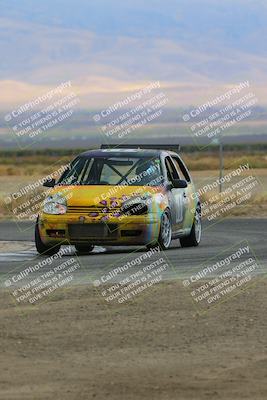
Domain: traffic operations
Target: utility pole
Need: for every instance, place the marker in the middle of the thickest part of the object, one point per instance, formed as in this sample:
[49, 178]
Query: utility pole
[221, 165]
[218, 141]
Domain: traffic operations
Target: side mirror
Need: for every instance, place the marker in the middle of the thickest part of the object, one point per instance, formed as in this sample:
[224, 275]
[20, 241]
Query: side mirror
[179, 184]
[50, 183]
[169, 186]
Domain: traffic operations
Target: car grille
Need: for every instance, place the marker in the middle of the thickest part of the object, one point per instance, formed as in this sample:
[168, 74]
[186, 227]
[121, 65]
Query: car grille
[91, 209]
[93, 231]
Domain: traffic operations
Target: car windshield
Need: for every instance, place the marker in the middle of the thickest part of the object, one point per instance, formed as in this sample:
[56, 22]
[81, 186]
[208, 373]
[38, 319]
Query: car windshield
[124, 170]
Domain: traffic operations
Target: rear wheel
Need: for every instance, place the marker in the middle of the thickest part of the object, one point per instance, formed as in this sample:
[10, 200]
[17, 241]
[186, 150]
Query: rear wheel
[195, 235]
[42, 248]
[84, 248]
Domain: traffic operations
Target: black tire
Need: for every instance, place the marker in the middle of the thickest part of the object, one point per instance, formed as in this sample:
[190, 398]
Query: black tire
[152, 245]
[165, 234]
[194, 238]
[84, 248]
[42, 248]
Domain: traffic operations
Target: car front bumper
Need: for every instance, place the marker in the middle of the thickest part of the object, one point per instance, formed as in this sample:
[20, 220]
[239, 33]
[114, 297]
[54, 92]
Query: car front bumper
[73, 229]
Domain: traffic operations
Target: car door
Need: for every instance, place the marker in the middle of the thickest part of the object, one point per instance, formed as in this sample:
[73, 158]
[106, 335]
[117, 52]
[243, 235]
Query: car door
[176, 196]
[189, 195]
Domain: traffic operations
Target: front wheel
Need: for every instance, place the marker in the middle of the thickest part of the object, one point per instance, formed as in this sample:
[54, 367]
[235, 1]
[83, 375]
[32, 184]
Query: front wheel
[165, 234]
[195, 235]
[42, 248]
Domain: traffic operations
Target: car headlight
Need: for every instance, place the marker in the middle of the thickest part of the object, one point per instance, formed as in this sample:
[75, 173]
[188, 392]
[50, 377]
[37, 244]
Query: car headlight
[55, 204]
[134, 209]
[136, 205]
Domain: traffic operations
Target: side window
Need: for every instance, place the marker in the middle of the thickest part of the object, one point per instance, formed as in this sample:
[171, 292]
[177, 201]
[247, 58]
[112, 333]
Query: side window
[179, 165]
[171, 170]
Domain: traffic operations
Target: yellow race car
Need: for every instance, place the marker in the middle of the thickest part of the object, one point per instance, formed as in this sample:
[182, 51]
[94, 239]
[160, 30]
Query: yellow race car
[120, 196]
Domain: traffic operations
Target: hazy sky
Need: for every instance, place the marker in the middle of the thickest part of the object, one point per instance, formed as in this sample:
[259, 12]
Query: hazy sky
[106, 47]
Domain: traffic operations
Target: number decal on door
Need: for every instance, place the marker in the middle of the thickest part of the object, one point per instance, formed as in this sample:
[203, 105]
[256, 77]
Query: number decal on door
[179, 206]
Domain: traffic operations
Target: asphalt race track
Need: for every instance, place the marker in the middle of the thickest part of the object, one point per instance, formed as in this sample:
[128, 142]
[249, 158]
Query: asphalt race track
[219, 239]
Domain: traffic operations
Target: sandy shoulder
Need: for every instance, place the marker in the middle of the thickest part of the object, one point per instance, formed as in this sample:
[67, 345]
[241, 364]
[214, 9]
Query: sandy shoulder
[158, 347]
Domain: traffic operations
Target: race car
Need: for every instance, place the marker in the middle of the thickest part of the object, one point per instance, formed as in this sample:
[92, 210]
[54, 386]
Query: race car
[141, 195]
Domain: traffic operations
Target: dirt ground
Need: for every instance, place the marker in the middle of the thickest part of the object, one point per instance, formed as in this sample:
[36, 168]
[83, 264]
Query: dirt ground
[159, 347]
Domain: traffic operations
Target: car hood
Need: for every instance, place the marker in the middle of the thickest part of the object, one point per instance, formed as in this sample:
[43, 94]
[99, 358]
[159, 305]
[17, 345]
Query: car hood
[105, 196]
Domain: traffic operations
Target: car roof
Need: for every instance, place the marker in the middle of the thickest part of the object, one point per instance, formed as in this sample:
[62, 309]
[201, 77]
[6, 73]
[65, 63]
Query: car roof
[138, 153]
